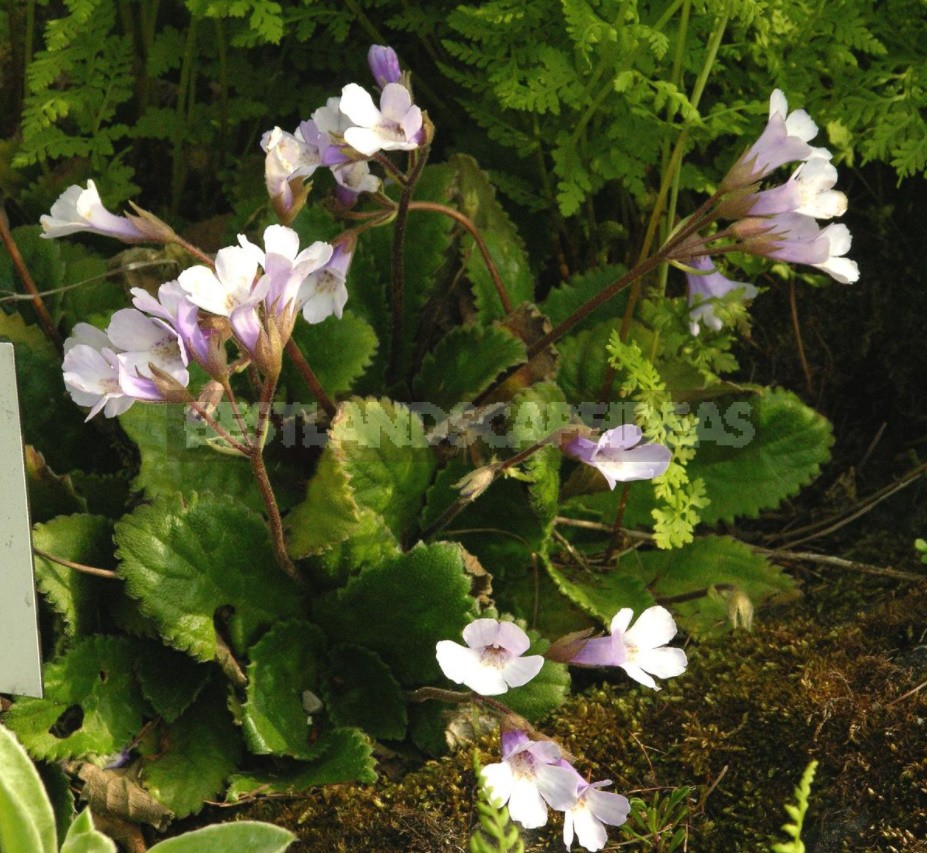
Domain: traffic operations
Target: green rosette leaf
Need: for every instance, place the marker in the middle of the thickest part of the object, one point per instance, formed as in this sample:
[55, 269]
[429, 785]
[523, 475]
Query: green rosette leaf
[202, 750]
[76, 596]
[185, 558]
[770, 447]
[284, 663]
[92, 706]
[401, 609]
[361, 691]
[347, 757]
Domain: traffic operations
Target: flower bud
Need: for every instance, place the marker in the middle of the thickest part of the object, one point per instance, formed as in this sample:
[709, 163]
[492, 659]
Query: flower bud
[384, 65]
[476, 482]
[740, 610]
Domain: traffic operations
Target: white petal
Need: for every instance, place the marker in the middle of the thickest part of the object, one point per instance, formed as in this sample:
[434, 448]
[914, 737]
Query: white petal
[358, 106]
[204, 289]
[498, 779]
[557, 785]
[639, 675]
[512, 638]
[778, 104]
[621, 620]
[839, 239]
[609, 808]
[463, 666]
[395, 102]
[525, 803]
[481, 632]
[800, 124]
[654, 627]
[281, 240]
[568, 828]
[841, 269]
[620, 438]
[521, 670]
[129, 329]
[589, 831]
[364, 140]
[663, 663]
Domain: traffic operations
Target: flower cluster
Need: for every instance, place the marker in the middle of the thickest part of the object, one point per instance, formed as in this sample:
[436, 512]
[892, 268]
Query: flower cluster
[779, 222]
[534, 774]
[251, 296]
[342, 136]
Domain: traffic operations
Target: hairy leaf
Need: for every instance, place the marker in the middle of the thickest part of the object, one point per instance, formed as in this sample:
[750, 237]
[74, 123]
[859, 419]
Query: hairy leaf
[184, 559]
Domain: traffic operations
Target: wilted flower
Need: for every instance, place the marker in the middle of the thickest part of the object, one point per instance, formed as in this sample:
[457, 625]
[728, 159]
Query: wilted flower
[593, 808]
[638, 650]
[616, 456]
[79, 209]
[704, 289]
[396, 126]
[529, 778]
[289, 157]
[492, 661]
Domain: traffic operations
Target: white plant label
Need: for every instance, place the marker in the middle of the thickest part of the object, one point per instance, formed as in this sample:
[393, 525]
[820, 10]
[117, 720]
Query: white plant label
[20, 650]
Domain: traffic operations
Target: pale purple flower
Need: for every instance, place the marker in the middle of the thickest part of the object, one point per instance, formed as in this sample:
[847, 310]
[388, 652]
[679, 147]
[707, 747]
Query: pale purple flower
[352, 179]
[619, 456]
[324, 132]
[324, 291]
[797, 238]
[704, 289]
[174, 308]
[492, 661]
[285, 266]
[91, 372]
[784, 140]
[809, 191]
[79, 209]
[384, 65]
[288, 156]
[529, 779]
[145, 341]
[396, 126]
[586, 818]
[638, 650]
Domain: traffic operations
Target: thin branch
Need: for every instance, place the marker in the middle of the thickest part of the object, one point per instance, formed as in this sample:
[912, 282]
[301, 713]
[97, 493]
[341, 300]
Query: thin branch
[48, 325]
[480, 243]
[799, 344]
[308, 374]
[78, 567]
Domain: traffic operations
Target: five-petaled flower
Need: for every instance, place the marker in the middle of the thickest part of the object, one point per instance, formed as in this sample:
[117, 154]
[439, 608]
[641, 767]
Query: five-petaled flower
[593, 808]
[529, 779]
[396, 126]
[492, 661]
[619, 456]
[640, 650]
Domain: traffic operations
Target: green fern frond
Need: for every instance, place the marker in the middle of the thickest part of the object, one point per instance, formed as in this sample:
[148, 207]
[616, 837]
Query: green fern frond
[797, 813]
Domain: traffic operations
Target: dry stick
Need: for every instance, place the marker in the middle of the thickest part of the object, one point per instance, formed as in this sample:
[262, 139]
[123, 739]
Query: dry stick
[299, 360]
[419, 158]
[480, 243]
[776, 553]
[48, 325]
[864, 506]
[796, 326]
[911, 692]
[78, 567]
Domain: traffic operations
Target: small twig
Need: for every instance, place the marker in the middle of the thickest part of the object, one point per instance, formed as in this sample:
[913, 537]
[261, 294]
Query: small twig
[568, 547]
[700, 808]
[78, 567]
[48, 325]
[308, 374]
[419, 157]
[911, 692]
[864, 506]
[228, 663]
[796, 327]
[480, 243]
[838, 563]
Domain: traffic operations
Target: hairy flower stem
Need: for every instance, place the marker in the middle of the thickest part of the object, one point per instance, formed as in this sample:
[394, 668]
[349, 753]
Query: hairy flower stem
[256, 455]
[234, 443]
[308, 374]
[419, 157]
[468, 223]
[48, 325]
[199, 254]
[458, 697]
